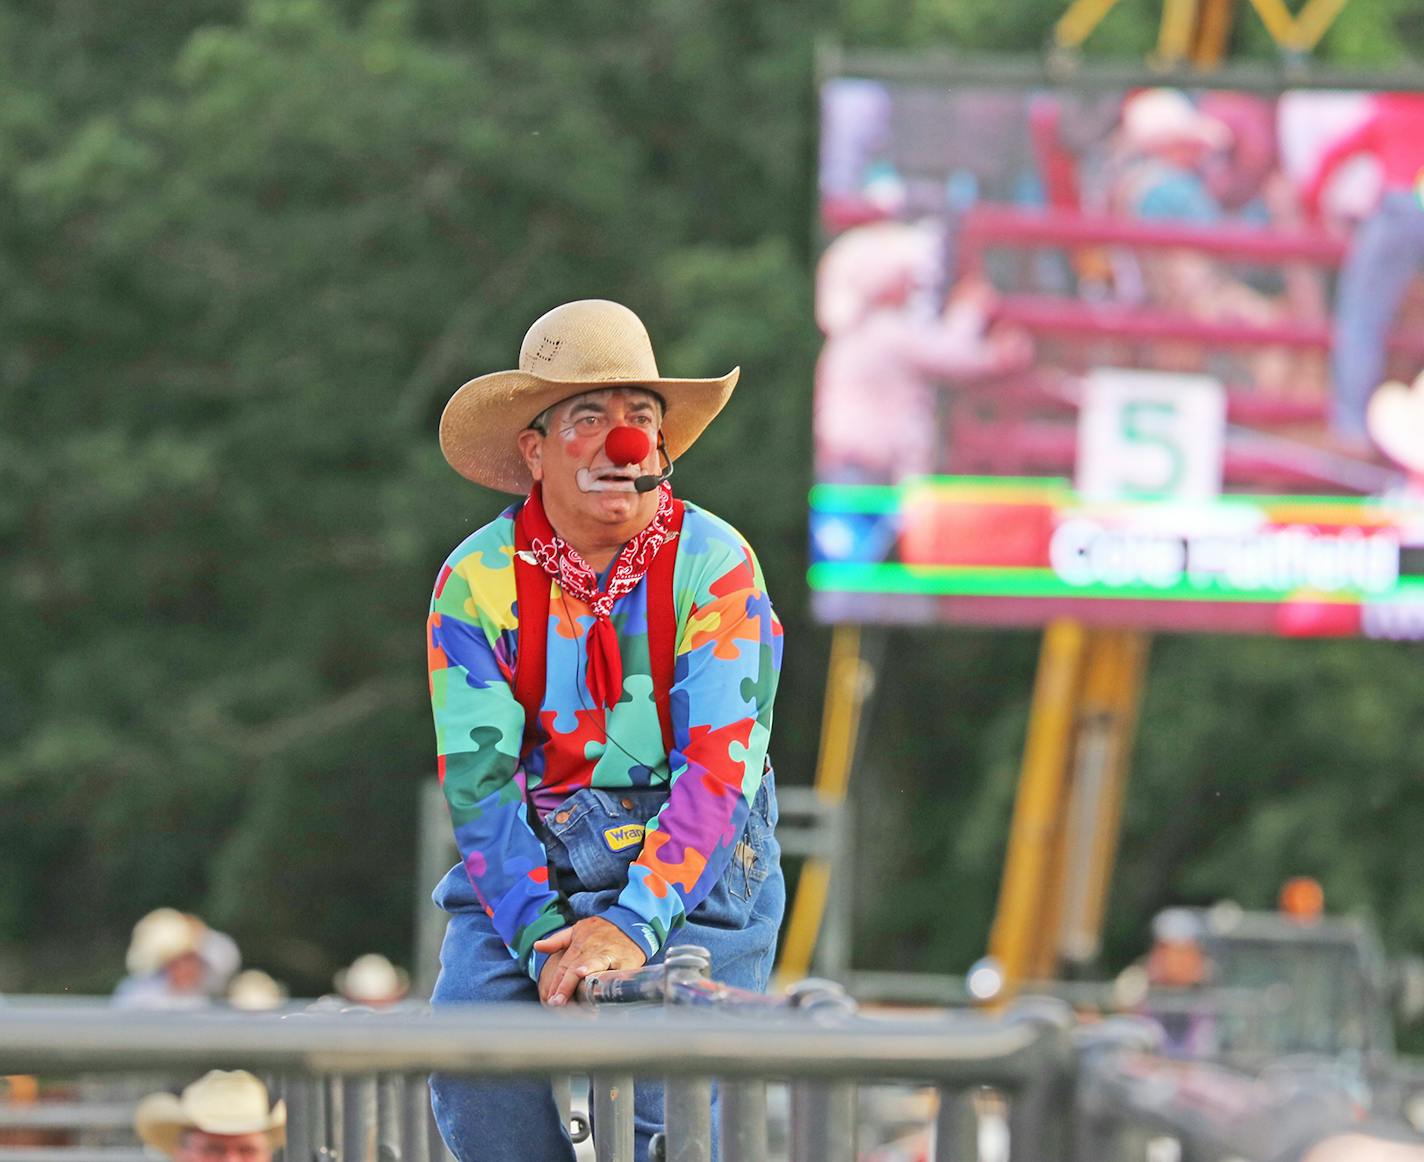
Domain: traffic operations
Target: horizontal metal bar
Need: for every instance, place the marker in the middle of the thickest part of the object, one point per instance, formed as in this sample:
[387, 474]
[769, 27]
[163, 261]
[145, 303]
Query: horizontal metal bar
[990, 225]
[54, 1115]
[1051, 315]
[72, 1154]
[809, 844]
[808, 801]
[504, 1040]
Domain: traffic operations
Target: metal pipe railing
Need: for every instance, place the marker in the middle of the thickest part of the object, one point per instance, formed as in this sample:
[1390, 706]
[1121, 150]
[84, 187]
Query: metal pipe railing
[494, 1041]
[355, 1081]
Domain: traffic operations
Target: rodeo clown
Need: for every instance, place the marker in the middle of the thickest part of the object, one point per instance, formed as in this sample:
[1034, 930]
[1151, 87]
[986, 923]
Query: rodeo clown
[603, 659]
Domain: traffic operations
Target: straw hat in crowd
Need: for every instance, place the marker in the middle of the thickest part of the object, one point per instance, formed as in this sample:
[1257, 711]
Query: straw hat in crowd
[578, 347]
[161, 937]
[372, 980]
[255, 991]
[219, 1102]
[1157, 118]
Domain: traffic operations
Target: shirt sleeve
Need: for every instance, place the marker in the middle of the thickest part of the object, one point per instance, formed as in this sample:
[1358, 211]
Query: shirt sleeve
[479, 727]
[728, 660]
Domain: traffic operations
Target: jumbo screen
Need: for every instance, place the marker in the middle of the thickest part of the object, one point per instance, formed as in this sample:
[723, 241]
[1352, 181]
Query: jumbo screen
[1143, 358]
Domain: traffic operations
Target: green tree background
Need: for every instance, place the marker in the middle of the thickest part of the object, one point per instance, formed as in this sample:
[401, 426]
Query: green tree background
[247, 251]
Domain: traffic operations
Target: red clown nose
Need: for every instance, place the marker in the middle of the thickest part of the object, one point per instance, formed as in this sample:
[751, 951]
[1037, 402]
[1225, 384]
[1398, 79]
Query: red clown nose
[627, 446]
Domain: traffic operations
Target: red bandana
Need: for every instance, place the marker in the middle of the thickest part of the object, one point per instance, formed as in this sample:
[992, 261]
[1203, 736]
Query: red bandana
[576, 577]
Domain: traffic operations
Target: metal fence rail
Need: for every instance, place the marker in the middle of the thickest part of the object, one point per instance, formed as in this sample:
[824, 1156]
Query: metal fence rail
[355, 1083]
[969, 1049]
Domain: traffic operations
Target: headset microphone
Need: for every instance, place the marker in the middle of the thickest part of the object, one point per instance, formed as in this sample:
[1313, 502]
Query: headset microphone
[648, 483]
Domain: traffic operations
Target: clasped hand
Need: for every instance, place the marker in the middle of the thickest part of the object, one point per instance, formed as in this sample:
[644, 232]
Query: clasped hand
[591, 945]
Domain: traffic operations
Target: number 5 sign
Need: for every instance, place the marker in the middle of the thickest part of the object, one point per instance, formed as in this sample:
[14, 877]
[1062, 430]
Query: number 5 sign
[1150, 435]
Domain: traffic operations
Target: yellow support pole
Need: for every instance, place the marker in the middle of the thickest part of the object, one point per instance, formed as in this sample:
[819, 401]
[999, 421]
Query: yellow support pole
[1077, 24]
[1121, 700]
[1212, 32]
[840, 722]
[846, 686]
[1042, 963]
[1277, 19]
[1174, 35]
[1298, 33]
[1038, 807]
[1112, 687]
[1315, 20]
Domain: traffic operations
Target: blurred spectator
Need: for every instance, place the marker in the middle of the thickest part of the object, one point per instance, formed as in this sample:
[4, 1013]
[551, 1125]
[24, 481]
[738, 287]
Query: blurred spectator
[372, 980]
[176, 961]
[1176, 959]
[221, 1117]
[1168, 985]
[1164, 145]
[1385, 255]
[24, 1090]
[1176, 163]
[888, 348]
[255, 991]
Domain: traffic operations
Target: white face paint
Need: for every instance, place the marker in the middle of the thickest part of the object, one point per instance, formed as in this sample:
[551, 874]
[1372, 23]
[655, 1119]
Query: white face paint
[607, 479]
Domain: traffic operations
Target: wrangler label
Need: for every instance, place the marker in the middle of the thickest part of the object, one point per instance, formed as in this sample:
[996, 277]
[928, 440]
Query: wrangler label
[627, 835]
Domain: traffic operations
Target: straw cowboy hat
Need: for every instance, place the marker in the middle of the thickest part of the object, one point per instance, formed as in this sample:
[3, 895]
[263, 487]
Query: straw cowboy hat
[578, 347]
[1159, 117]
[372, 979]
[1396, 422]
[160, 937]
[255, 991]
[219, 1102]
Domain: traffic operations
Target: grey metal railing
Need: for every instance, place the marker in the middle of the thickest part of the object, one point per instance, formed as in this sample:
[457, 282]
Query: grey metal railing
[355, 1085]
[354, 1082]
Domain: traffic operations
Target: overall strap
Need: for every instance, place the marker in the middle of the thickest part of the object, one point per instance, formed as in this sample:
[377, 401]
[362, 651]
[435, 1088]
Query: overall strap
[531, 592]
[531, 588]
[662, 625]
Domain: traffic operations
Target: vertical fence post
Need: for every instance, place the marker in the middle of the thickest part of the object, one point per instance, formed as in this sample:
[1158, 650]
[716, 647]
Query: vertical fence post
[390, 1118]
[742, 1120]
[323, 1134]
[612, 1117]
[822, 1113]
[1041, 1108]
[301, 1139]
[358, 1121]
[956, 1127]
[416, 1119]
[822, 1122]
[687, 1101]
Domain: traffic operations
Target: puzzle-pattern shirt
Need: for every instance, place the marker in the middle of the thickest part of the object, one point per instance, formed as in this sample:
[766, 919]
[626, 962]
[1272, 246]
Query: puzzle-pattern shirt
[726, 666]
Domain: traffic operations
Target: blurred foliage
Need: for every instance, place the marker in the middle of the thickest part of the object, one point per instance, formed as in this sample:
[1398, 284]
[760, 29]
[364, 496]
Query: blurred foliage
[248, 250]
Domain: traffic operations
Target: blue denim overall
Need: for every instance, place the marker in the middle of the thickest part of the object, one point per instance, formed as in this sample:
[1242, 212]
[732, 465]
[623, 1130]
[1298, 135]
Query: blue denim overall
[517, 1121]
